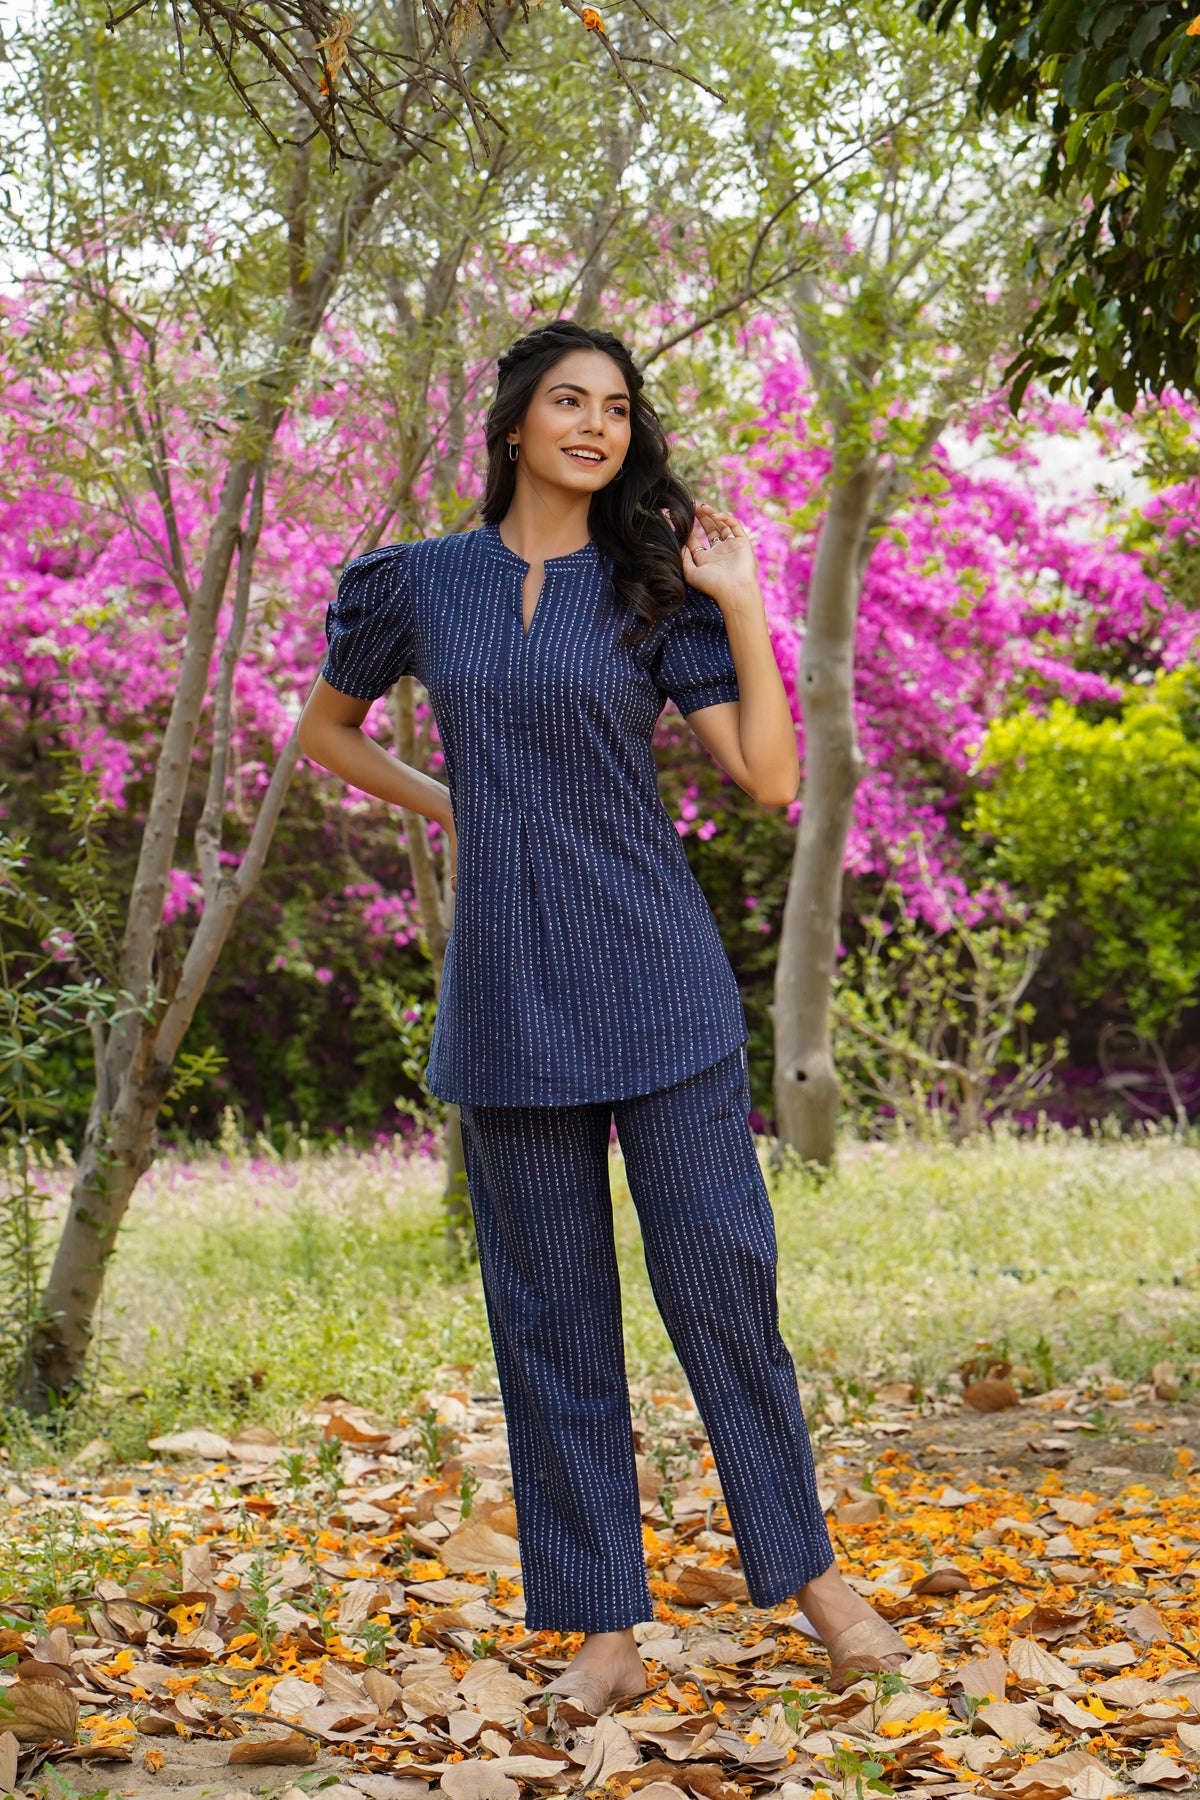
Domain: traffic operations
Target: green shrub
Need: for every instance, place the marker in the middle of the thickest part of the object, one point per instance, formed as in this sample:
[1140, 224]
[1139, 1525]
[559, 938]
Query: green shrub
[1104, 818]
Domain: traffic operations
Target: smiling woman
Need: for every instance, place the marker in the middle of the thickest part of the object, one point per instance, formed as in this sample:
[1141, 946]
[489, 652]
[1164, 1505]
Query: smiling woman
[585, 976]
[573, 439]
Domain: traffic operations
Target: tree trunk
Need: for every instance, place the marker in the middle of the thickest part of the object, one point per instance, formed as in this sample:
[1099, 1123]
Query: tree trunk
[806, 1084]
[133, 1075]
[135, 1061]
[118, 1148]
[456, 1197]
[435, 903]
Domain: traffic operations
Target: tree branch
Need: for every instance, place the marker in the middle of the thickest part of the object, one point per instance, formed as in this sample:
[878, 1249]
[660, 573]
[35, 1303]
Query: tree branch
[210, 934]
[720, 312]
[210, 829]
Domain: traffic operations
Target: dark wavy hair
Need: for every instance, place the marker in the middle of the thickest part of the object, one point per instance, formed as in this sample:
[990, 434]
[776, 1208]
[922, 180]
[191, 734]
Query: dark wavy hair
[641, 521]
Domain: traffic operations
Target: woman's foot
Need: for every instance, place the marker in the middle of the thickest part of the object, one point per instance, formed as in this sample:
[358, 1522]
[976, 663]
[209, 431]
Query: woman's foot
[607, 1667]
[855, 1636]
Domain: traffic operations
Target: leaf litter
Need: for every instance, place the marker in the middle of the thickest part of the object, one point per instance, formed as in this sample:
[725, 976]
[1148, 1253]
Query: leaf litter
[356, 1600]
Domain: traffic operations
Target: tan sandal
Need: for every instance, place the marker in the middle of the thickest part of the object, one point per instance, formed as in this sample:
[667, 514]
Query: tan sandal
[861, 1650]
[586, 1689]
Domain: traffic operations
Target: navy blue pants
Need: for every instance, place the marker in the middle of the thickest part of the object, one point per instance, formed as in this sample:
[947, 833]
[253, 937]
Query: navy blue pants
[539, 1184]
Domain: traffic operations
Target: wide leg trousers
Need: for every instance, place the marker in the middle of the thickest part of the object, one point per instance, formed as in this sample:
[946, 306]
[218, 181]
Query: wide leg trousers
[539, 1184]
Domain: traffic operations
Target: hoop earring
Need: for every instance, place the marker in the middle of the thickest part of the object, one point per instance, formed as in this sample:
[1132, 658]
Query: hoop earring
[619, 473]
[514, 450]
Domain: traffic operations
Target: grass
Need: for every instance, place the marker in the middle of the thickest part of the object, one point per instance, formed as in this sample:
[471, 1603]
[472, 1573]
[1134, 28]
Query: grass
[246, 1286]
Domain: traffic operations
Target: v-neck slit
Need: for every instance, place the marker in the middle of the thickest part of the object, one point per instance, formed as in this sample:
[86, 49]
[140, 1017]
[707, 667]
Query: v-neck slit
[537, 607]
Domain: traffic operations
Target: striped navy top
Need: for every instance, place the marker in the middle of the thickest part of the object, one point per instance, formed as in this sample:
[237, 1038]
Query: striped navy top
[584, 962]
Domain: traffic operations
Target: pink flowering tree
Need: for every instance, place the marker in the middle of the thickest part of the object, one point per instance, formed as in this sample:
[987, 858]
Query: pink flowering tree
[180, 319]
[199, 293]
[899, 331]
[983, 591]
[986, 593]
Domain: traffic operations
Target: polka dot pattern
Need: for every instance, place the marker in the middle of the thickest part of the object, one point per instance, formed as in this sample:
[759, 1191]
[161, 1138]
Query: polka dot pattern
[584, 963]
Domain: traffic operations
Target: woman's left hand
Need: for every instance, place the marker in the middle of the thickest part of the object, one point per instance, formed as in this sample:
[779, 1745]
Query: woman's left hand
[718, 557]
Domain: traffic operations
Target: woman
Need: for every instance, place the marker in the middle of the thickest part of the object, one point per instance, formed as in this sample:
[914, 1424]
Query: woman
[585, 976]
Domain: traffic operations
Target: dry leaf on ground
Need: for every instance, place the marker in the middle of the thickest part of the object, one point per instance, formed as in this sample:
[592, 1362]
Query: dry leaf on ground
[701, 1586]
[1159, 1771]
[478, 1545]
[478, 1781]
[41, 1711]
[294, 1748]
[613, 1752]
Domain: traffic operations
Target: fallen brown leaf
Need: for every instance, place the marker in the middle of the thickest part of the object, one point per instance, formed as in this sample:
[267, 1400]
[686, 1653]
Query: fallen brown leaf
[527, 1767]
[708, 1782]
[155, 1724]
[613, 1752]
[1029, 1662]
[1074, 1512]
[1106, 1656]
[433, 1697]
[861, 1512]
[488, 1687]
[1165, 1381]
[680, 1741]
[1159, 1771]
[351, 1432]
[1050, 1623]
[1032, 1789]
[381, 1690]
[943, 1578]
[292, 1695]
[1014, 1722]
[41, 1710]
[1145, 1623]
[478, 1781]
[1076, 1770]
[341, 1688]
[290, 1749]
[990, 1396]
[700, 1586]
[32, 1670]
[1073, 1716]
[478, 1545]
[255, 1434]
[208, 1444]
[983, 1675]
[501, 1515]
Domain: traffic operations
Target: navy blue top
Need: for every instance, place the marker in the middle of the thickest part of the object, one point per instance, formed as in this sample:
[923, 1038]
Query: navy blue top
[584, 962]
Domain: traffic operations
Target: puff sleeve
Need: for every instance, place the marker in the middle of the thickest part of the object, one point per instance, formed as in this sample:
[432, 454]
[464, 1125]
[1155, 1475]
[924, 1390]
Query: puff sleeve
[695, 665]
[371, 625]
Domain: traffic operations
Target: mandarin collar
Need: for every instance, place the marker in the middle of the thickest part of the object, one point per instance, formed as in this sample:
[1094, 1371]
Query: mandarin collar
[496, 546]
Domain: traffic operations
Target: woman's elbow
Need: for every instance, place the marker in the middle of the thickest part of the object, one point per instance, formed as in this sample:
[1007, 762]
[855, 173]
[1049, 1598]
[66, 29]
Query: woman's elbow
[312, 736]
[777, 794]
[305, 733]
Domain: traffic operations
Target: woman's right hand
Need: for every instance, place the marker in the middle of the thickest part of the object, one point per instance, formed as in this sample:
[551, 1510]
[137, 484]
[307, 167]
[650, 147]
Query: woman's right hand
[453, 853]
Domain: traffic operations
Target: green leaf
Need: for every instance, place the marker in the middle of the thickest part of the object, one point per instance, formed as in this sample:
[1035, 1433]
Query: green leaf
[1143, 36]
[1074, 137]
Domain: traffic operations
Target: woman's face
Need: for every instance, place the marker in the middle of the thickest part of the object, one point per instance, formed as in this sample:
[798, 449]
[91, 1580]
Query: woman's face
[576, 429]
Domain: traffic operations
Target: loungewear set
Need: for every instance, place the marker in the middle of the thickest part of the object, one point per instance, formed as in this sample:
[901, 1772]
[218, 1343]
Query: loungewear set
[585, 979]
